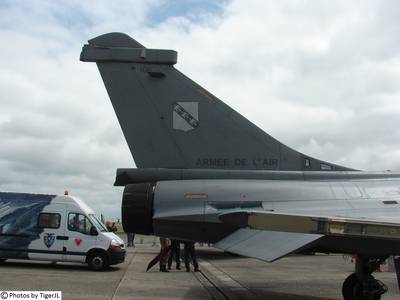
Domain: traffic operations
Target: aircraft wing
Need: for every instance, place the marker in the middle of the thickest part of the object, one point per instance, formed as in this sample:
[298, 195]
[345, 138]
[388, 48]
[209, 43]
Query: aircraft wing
[270, 235]
[313, 224]
[265, 245]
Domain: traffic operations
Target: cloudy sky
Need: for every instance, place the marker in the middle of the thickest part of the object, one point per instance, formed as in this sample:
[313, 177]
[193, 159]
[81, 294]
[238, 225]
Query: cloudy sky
[321, 76]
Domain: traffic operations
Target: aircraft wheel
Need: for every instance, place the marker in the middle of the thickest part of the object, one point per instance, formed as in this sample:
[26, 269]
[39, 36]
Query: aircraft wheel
[352, 289]
[98, 261]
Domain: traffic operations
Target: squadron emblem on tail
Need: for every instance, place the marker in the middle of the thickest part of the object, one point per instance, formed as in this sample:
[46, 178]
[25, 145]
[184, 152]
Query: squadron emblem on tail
[185, 115]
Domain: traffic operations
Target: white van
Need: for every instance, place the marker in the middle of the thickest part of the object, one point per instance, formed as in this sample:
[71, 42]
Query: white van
[55, 228]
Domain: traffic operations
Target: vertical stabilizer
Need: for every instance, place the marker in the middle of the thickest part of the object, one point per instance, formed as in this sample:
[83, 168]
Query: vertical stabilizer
[169, 121]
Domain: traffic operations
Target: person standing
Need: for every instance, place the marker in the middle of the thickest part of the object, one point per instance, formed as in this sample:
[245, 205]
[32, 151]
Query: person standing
[396, 260]
[131, 239]
[114, 227]
[164, 243]
[175, 251]
[108, 225]
[190, 253]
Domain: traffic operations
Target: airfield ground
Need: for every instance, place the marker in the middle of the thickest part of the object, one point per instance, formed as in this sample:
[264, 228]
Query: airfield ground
[222, 276]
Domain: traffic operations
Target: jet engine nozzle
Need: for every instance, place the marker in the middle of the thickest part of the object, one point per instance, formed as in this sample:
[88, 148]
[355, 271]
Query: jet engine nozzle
[137, 208]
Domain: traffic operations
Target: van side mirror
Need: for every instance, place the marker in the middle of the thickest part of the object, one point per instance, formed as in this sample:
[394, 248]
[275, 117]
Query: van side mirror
[93, 231]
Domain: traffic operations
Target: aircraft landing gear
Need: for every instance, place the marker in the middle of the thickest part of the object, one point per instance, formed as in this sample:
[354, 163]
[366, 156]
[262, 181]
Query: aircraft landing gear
[361, 285]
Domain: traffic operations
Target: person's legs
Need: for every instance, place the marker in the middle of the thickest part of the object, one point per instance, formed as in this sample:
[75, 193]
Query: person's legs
[164, 257]
[194, 258]
[397, 268]
[186, 255]
[171, 255]
[129, 235]
[178, 256]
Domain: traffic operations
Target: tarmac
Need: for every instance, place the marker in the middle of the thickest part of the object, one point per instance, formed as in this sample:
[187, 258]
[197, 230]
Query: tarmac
[222, 276]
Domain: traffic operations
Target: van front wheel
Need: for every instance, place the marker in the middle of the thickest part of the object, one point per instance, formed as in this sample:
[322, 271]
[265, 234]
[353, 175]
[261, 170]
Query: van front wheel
[98, 261]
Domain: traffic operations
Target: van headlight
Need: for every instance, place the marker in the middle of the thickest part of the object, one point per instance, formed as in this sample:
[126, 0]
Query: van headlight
[115, 245]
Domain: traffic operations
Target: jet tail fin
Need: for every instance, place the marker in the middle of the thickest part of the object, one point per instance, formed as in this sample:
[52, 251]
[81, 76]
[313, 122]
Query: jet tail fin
[169, 121]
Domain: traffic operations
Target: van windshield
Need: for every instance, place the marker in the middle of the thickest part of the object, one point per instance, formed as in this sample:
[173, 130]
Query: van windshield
[100, 226]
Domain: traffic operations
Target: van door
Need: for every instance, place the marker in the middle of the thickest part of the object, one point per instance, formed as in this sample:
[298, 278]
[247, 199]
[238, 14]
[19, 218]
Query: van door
[79, 239]
[49, 245]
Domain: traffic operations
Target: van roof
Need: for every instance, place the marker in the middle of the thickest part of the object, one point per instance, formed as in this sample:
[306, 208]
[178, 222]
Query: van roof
[60, 199]
[28, 195]
[81, 204]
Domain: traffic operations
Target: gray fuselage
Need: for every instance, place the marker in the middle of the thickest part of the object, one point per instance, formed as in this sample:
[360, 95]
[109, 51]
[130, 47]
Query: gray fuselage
[189, 209]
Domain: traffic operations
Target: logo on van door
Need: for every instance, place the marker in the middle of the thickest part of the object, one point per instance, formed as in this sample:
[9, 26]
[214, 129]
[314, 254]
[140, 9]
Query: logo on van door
[49, 239]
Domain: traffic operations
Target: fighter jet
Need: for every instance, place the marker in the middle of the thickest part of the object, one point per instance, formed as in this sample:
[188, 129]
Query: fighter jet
[207, 174]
